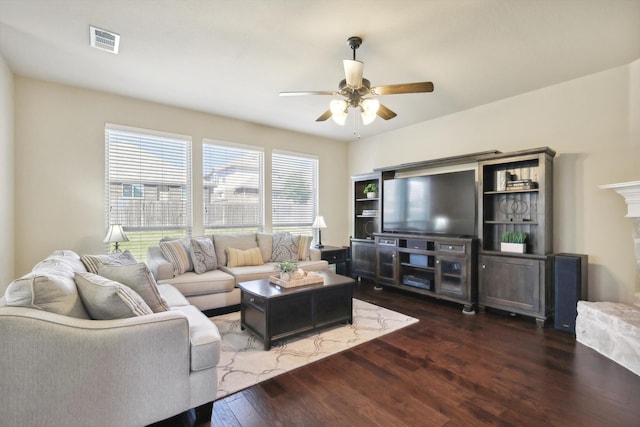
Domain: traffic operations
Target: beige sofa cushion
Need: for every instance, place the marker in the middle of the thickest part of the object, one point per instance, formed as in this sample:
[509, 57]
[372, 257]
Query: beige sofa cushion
[50, 286]
[55, 293]
[265, 243]
[237, 241]
[211, 282]
[139, 278]
[106, 299]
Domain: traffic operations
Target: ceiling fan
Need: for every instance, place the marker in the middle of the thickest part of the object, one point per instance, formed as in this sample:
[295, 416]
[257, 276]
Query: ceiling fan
[357, 92]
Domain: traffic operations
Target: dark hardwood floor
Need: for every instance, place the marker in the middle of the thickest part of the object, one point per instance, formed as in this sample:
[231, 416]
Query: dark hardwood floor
[450, 369]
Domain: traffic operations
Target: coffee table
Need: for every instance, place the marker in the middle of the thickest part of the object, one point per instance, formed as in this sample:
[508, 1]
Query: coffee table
[274, 313]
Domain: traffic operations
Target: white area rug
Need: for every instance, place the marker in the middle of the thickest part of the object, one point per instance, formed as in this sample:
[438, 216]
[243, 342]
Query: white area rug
[244, 362]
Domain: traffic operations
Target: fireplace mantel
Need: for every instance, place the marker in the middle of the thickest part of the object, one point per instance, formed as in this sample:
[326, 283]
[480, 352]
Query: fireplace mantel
[631, 193]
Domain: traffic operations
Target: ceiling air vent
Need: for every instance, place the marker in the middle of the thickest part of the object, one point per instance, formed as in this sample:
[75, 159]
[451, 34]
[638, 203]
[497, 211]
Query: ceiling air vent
[104, 40]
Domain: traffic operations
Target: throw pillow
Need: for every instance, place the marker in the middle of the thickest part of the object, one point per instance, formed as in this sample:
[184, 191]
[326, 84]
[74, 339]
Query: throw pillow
[177, 251]
[237, 241]
[203, 255]
[240, 258]
[285, 247]
[139, 278]
[55, 293]
[106, 299]
[303, 248]
[92, 262]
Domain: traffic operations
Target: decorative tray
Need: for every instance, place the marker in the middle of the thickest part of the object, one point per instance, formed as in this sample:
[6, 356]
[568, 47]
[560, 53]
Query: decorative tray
[308, 280]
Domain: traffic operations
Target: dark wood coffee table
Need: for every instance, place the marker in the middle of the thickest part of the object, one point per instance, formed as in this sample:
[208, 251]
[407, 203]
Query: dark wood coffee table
[274, 313]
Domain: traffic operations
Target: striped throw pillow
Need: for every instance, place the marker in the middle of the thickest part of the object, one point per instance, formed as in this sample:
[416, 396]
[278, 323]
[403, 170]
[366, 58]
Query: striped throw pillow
[177, 251]
[240, 258]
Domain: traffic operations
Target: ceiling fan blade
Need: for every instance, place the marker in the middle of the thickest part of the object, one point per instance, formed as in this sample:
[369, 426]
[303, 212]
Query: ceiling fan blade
[324, 116]
[353, 72]
[385, 112]
[310, 92]
[403, 88]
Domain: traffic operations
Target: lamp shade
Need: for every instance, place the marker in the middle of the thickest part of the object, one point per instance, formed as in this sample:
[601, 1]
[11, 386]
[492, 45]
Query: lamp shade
[319, 223]
[338, 109]
[115, 234]
[369, 108]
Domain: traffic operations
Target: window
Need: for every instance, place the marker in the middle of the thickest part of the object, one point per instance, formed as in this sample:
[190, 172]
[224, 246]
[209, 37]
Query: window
[148, 185]
[294, 187]
[233, 187]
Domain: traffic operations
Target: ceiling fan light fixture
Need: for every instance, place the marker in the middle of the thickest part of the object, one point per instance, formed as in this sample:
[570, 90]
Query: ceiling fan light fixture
[339, 112]
[368, 109]
[353, 72]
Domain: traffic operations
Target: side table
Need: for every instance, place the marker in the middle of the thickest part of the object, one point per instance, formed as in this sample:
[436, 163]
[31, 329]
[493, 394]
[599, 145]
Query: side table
[339, 256]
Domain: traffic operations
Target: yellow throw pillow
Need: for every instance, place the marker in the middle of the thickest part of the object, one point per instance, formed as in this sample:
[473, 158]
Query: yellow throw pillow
[240, 258]
[303, 248]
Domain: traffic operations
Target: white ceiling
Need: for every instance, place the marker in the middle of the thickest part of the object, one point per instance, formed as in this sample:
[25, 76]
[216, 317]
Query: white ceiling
[232, 58]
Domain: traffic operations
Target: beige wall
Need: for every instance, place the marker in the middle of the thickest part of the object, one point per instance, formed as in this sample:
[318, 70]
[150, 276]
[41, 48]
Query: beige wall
[593, 123]
[59, 139]
[6, 176]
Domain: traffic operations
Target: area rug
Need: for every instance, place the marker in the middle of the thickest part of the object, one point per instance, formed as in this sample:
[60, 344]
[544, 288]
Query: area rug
[244, 362]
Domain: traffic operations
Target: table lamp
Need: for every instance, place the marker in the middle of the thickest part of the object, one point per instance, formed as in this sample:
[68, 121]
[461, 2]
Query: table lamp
[319, 224]
[115, 234]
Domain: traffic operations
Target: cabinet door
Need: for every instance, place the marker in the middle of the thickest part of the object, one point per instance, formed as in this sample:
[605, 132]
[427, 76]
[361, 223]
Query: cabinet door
[512, 284]
[451, 276]
[386, 266]
[363, 259]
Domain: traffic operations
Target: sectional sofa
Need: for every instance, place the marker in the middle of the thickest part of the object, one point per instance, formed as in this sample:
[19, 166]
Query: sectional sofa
[103, 348]
[202, 269]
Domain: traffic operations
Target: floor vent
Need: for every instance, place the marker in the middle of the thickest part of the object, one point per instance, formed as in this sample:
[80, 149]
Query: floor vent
[104, 40]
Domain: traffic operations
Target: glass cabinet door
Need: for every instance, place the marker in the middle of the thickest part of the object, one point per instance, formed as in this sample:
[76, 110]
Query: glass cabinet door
[451, 276]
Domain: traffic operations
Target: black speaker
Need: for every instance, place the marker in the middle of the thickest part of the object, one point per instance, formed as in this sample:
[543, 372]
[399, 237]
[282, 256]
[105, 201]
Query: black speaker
[570, 280]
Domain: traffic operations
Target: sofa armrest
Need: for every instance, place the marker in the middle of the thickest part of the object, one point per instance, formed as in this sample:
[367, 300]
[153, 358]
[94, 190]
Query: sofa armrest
[315, 254]
[59, 370]
[160, 267]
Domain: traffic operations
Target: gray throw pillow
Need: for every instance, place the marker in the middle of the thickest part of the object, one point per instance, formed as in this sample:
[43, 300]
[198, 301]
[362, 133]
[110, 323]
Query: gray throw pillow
[203, 254]
[106, 299]
[93, 262]
[139, 278]
[55, 293]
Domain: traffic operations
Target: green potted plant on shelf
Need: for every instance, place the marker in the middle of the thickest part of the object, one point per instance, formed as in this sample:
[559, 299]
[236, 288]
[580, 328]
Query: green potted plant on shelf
[286, 268]
[371, 190]
[514, 241]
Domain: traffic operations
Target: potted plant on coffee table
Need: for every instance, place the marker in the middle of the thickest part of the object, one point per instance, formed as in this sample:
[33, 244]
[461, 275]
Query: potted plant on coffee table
[371, 190]
[286, 268]
[514, 241]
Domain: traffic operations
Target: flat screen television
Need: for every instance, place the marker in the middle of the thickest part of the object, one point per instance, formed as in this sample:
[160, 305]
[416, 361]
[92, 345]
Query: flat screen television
[433, 204]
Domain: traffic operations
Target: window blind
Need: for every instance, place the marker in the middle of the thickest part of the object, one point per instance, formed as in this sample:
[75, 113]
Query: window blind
[294, 186]
[233, 187]
[148, 185]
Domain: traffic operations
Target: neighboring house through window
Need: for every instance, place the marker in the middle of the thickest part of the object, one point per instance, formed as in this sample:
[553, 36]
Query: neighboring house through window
[233, 187]
[148, 185]
[294, 188]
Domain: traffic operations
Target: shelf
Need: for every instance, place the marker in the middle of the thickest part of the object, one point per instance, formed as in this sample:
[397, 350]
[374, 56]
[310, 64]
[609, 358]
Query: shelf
[368, 199]
[520, 222]
[493, 193]
[367, 216]
[416, 266]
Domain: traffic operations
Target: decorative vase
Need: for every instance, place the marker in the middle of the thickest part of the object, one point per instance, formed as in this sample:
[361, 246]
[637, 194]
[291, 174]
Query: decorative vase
[518, 248]
[372, 195]
[284, 275]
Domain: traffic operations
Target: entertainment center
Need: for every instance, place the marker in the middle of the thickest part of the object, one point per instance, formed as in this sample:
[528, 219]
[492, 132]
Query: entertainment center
[435, 228]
